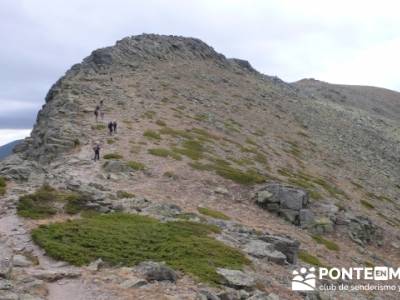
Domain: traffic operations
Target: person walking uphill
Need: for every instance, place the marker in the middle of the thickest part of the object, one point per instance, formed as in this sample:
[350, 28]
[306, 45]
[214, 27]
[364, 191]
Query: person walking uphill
[96, 114]
[115, 126]
[96, 150]
[110, 127]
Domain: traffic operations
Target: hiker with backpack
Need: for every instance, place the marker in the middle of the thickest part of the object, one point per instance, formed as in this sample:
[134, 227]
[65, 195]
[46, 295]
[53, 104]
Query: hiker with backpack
[96, 150]
[115, 126]
[96, 113]
[110, 127]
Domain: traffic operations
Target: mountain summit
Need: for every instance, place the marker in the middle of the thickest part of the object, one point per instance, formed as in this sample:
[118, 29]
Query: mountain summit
[231, 178]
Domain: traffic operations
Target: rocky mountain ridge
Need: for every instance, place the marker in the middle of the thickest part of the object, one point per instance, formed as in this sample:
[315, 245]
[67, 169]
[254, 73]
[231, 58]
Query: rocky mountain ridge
[303, 169]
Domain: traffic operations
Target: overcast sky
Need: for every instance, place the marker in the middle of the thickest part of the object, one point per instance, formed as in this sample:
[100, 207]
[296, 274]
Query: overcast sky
[349, 42]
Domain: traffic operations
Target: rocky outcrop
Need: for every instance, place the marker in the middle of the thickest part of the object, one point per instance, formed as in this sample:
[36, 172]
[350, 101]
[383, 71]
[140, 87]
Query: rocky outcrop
[289, 202]
[288, 246]
[261, 249]
[6, 257]
[363, 231]
[17, 168]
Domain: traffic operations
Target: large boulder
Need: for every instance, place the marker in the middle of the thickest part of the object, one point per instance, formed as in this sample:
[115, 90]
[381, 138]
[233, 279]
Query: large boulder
[289, 202]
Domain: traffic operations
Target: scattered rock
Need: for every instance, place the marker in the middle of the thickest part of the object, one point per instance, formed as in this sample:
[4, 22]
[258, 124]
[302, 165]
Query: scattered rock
[95, 265]
[289, 247]
[222, 191]
[29, 297]
[21, 261]
[117, 166]
[5, 284]
[261, 249]
[322, 226]
[6, 256]
[287, 201]
[162, 210]
[206, 295]
[154, 271]
[362, 231]
[133, 283]
[236, 279]
[261, 296]
[7, 295]
[54, 275]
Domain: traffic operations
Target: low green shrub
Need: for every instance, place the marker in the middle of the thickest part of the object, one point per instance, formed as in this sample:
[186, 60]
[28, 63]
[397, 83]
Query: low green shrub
[161, 123]
[152, 135]
[112, 156]
[212, 213]
[190, 148]
[3, 186]
[126, 240]
[327, 243]
[226, 171]
[138, 166]
[47, 201]
[367, 204]
[162, 152]
[124, 194]
[39, 204]
[99, 127]
[309, 259]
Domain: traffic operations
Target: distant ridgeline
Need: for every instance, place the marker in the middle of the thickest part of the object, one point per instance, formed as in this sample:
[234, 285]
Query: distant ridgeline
[6, 149]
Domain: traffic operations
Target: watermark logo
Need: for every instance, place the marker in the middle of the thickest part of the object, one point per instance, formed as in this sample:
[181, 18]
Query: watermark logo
[305, 280]
[377, 278]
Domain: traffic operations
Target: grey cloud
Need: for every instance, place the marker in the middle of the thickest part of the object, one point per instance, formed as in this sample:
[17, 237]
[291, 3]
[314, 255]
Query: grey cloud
[40, 41]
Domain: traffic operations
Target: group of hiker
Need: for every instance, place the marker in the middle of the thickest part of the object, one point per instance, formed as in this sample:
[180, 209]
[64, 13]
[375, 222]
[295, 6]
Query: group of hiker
[112, 128]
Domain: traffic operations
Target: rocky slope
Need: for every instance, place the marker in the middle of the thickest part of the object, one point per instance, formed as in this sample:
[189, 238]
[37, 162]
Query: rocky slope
[306, 169]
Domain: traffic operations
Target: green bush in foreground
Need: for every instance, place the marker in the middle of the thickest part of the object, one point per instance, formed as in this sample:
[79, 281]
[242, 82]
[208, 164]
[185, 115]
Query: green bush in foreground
[3, 186]
[122, 239]
[212, 213]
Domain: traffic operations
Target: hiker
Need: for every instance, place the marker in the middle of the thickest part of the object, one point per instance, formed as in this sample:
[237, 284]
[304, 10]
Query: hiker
[101, 103]
[96, 113]
[102, 115]
[110, 127]
[96, 150]
[115, 126]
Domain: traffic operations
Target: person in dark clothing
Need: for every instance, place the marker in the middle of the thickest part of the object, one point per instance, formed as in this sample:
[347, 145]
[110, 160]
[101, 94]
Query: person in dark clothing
[96, 150]
[96, 113]
[115, 126]
[110, 127]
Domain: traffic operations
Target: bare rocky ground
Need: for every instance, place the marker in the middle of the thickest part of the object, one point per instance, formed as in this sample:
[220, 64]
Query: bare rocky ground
[337, 147]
